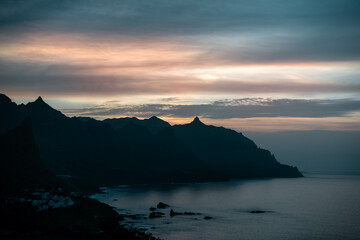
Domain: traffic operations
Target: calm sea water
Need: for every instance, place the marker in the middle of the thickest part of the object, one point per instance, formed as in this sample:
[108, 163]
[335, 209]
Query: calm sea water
[314, 207]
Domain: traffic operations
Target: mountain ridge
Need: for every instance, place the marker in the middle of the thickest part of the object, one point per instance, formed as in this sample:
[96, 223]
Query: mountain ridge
[130, 150]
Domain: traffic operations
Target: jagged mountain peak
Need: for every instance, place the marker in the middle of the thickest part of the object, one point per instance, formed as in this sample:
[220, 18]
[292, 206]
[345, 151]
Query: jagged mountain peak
[197, 121]
[154, 118]
[40, 109]
[39, 100]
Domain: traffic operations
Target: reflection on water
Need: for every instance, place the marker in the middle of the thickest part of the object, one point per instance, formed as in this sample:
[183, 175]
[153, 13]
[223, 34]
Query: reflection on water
[314, 207]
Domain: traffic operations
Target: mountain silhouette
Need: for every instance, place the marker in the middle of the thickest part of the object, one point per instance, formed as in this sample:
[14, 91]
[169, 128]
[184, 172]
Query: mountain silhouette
[130, 150]
[230, 152]
[197, 122]
[40, 111]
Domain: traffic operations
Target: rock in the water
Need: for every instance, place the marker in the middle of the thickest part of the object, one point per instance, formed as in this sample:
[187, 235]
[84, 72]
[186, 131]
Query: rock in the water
[257, 211]
[152, 215]
[173, 213]
[189, 213]
[162, 205]
[156, 214]
[152, 209]
[207, 217]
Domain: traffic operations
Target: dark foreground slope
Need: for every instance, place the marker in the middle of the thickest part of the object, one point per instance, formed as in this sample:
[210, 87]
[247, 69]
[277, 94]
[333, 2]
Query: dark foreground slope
[21, 168]
[35, 204]
[231, 152]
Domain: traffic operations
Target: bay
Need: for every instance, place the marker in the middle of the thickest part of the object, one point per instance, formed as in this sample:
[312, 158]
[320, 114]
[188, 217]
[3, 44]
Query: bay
[318, 206]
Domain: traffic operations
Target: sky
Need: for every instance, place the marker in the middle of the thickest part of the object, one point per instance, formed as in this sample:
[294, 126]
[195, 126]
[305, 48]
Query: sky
[251, 65]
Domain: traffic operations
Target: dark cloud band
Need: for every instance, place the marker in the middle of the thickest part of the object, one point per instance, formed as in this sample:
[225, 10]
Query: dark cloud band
[277, 31]
[234, 108]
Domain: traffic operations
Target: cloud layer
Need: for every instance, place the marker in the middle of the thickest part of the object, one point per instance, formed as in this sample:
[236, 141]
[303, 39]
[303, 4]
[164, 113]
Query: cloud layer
[136, 47]
[272, 31]
[234, 108]
[136, 50]
[246, 114]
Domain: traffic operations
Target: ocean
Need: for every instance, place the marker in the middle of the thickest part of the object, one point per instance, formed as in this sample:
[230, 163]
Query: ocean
[318, 206]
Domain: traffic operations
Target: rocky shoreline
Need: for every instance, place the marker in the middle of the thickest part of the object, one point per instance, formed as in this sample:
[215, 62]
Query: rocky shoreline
[59, 215]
